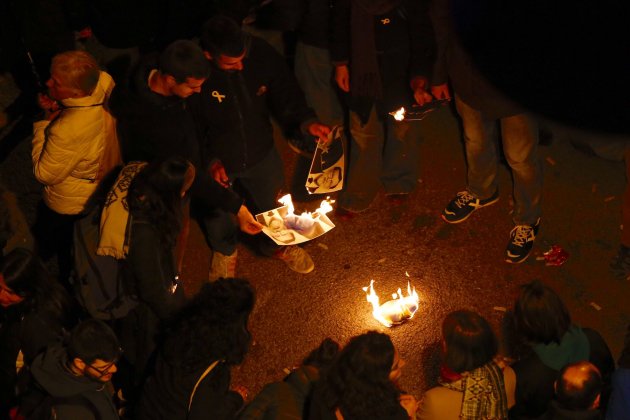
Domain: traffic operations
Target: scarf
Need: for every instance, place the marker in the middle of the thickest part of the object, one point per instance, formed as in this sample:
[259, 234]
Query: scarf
[115, 218]
[483, 392]
[365, 80]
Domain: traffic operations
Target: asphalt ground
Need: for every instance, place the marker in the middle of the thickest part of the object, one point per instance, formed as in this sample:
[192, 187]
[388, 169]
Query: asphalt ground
[451, 266]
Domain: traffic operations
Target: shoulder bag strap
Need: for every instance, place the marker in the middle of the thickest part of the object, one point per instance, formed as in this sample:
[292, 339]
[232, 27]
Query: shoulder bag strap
[201, 378]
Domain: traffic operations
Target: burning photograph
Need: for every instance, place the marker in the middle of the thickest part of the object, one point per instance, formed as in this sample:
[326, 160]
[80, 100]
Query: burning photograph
[287, 228]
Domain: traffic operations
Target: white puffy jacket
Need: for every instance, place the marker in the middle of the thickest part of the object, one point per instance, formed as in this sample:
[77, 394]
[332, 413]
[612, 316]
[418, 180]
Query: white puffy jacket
[74, 151]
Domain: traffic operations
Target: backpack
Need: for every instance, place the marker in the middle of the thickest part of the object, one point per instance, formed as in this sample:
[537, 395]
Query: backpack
[98, 280]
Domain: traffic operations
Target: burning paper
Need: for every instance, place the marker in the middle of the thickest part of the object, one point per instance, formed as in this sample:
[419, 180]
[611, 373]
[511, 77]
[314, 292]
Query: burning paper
[417, 113]
[287, 228]
[394, 311]
[327, 168]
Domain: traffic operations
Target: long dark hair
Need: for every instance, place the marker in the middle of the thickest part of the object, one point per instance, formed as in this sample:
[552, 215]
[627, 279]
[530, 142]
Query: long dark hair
[470, 341]
[25, 274]
[155, 196]
[358, 381]
[213, 326]
[540, 316]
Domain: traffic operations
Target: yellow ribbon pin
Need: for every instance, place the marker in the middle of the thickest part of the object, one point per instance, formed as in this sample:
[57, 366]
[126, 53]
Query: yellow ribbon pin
[216, 94]
[385, 21]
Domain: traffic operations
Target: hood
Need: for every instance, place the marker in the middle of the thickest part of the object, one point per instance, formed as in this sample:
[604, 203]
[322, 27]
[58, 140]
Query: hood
[573, 347]
[137, 98]
[99, 96]
[49, 370]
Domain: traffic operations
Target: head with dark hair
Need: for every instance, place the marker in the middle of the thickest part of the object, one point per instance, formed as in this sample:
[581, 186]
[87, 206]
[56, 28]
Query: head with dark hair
[25, 281]
[213, 326]
[93, 350]
[323, 355]
[540, 315]
[361, 381]
[469, 341]
[579, 386]
[224, 42]
[184, 68]
[156, 193]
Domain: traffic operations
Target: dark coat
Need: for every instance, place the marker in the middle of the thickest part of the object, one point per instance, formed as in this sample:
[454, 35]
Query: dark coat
[314, 27]
[556, 412]
[152, 126]
[50, 372]
[166, 394]
[454, 63]
[535, 380]
[286, 399]
[405, 47]
[234, 109]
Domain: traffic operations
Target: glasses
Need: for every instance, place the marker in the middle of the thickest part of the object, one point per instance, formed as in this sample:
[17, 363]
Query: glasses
[104, 370]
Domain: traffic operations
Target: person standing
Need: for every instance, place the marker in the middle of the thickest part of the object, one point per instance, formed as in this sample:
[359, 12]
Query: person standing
[481, 106]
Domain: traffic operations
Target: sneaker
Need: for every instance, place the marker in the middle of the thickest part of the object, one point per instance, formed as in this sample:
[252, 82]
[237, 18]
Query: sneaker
[464, 204]
[222, 266]
[620, 265]
[521, 242]
[343, 214]
[296, 258]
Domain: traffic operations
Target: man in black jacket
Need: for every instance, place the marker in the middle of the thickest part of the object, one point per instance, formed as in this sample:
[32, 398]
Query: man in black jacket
[153, 122]
[250, 83]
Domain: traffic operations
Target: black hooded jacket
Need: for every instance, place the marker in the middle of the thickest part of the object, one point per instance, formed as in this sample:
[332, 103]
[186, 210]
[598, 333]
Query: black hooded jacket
[152, 126]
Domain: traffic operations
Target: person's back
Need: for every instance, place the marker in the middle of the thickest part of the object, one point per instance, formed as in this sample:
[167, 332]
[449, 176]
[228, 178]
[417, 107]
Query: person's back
[544, 323]
[473, 382]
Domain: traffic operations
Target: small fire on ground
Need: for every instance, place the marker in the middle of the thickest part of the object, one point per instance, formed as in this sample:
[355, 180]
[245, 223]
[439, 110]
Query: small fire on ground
[395, 311]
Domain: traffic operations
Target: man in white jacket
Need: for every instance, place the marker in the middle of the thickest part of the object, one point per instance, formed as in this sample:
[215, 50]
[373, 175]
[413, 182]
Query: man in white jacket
[73, 148]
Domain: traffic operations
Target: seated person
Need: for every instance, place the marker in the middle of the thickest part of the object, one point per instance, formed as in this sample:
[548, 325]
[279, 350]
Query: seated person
[474, 384]
[362, 383]
[544, 325]
[578, 390]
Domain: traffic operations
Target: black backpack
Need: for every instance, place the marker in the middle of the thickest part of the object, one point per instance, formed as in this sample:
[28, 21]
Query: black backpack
[98, 280]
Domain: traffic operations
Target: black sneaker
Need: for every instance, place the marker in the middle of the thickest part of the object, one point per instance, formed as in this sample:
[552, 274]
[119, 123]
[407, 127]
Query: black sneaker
[521, 242]
[464, 204]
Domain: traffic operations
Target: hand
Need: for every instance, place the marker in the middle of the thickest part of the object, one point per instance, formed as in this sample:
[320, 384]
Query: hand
[246, 221]
[49, 105]
[217, 172]
[242, 391]
[409, 403]
[441, 91]
[342, 77]
[320, 131]
[419, 87]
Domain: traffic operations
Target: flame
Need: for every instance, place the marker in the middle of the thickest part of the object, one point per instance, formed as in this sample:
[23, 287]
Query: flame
[393, 311]
[305, 220]
[400, 114]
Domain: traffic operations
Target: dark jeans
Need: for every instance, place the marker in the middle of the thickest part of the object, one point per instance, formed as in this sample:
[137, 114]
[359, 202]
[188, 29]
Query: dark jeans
[53, 235]
[259, 186]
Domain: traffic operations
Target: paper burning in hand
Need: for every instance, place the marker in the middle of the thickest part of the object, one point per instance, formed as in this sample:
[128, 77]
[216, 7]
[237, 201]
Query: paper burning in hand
[395, 311]
[417, 113]
[287, 228]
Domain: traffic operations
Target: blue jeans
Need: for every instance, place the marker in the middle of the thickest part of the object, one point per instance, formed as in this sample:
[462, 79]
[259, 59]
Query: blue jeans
[259, 186]
[519, 134]
[381, 152]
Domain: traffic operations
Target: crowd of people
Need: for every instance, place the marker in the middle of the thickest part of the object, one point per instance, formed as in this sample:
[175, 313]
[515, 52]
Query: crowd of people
[147, 123]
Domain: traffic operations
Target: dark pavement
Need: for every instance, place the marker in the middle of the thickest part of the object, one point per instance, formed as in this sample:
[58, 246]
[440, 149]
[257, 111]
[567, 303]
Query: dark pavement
[451, 266]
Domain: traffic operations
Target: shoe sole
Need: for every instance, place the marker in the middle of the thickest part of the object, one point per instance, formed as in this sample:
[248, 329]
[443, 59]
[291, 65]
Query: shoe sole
[509, 261]
[454, 222]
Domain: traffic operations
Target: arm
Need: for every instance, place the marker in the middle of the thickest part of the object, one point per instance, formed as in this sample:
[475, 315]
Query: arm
[214, 399]
[422, 49]
[153, 274]
[55, 154]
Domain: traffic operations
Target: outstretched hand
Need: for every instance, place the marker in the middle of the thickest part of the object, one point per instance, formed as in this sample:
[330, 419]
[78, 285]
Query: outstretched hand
[246, 221]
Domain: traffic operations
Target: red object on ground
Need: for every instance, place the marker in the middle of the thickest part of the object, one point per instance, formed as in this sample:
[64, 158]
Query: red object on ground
[556, 256]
